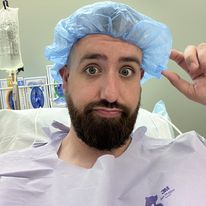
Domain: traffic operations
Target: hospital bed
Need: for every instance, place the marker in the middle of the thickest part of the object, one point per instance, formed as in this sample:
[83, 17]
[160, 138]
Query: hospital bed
[21, 128]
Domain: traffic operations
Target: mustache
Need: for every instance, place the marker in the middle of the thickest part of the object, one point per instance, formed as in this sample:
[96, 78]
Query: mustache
[105, 103]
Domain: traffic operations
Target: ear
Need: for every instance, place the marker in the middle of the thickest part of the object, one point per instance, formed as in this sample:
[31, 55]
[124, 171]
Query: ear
[64, 72]
[142, 73]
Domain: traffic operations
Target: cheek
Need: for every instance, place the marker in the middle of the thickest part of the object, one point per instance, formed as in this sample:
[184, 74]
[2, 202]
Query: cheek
[132, 96]
[82, 94]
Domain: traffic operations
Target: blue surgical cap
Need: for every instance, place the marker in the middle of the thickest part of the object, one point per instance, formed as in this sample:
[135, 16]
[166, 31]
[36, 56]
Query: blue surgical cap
[119, 21]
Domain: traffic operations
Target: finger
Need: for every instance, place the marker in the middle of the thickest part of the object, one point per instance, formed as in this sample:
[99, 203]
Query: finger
[188, 61]
[201, 53]
[191, 59]
[178, 57]
[183, 86]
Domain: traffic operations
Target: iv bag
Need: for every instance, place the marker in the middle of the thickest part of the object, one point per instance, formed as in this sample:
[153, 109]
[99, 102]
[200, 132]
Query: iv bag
[10, 54]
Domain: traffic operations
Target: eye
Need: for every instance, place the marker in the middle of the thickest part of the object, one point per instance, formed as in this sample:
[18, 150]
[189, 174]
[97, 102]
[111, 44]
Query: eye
[126, 72]
[92, 70]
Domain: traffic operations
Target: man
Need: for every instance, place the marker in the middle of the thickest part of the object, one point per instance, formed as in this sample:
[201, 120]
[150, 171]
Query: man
[102, 52]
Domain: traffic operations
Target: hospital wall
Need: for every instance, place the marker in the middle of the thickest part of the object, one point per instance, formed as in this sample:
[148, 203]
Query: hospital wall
[186, 20]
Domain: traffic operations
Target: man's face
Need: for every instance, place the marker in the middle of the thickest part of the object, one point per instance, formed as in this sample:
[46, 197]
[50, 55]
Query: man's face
[102, 89]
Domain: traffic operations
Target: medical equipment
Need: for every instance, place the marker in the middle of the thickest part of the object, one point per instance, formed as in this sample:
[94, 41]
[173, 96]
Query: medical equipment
[8, 93]
[55, 90]
[117, 20]
[10, 54]
[36, 92]
[33, 92]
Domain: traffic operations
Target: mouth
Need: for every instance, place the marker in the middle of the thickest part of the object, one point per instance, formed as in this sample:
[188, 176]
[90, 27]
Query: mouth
[107, 112]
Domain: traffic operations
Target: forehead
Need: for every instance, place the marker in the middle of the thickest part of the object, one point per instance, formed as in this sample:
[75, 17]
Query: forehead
[106, 44]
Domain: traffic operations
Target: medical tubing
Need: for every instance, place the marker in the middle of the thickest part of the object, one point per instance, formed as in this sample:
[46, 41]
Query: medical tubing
[170, 123]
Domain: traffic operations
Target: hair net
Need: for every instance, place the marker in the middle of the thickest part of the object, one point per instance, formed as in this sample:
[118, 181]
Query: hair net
[117, 20]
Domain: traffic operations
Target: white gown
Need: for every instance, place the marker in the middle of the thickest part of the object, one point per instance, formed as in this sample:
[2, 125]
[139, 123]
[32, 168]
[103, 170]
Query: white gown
[151, 172]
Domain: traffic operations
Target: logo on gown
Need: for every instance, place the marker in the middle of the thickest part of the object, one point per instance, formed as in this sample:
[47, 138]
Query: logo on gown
[152, 201]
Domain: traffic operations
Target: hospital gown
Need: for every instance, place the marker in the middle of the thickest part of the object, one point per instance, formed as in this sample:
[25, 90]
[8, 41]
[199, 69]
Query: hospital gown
[151, 172]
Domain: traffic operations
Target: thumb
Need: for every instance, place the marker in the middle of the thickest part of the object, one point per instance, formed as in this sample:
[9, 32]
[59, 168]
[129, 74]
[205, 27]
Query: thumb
[182, 85]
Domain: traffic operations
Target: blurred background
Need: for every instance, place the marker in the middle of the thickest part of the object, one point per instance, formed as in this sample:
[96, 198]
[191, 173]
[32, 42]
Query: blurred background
[186, 19]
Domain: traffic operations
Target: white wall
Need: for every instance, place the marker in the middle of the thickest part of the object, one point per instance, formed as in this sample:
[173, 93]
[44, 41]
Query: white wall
[185, 18]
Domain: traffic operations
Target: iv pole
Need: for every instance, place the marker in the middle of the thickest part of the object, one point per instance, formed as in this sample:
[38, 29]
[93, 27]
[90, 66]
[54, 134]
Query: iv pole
[15, 90]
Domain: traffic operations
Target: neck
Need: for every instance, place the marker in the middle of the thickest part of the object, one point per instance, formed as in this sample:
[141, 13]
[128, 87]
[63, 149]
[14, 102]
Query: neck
[74, 151]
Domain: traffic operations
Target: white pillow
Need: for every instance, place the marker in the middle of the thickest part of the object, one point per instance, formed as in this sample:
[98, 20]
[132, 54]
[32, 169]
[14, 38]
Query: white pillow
[21, 128]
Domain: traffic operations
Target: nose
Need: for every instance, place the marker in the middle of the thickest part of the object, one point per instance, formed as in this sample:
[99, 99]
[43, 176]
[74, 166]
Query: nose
[110, 88]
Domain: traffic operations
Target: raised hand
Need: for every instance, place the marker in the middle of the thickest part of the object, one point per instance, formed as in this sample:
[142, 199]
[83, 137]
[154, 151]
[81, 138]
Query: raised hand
[193, 61]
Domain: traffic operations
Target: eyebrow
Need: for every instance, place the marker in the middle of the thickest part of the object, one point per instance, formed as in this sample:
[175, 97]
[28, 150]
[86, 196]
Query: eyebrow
[93, 56]
[104, 57]
[130, 59]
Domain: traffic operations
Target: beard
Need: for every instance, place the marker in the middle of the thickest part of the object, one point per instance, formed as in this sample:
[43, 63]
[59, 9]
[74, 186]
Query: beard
[100, 132]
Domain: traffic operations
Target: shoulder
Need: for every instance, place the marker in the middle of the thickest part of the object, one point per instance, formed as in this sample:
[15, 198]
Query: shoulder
[189, 143]
[22, 160]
